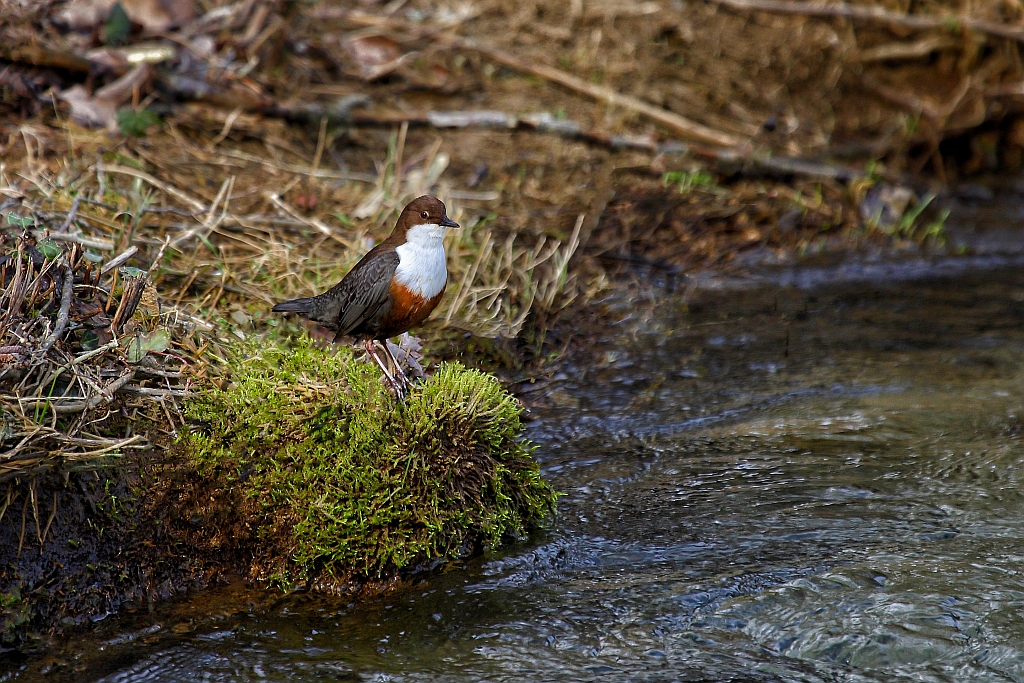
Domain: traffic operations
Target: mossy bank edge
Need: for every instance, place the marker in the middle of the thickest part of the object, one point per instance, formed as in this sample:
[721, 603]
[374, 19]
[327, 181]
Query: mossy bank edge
[338, 481]
[295, 469]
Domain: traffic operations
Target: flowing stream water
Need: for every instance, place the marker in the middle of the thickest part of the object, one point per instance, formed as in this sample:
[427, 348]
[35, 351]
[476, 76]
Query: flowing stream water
[767, 484]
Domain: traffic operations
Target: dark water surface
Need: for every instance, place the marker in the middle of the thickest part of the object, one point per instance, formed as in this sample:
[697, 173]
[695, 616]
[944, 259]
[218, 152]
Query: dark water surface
[777, 485]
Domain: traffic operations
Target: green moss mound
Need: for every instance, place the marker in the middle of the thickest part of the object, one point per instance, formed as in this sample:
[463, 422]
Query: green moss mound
[345, 480]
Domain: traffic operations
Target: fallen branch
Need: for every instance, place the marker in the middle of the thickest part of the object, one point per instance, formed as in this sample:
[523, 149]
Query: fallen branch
[681, 125]
[35, 55]
[877, 14]
[485, 118]
[546, 123]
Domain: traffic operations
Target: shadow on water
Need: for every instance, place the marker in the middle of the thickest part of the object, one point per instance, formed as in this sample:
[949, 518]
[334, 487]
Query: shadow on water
[775, 484]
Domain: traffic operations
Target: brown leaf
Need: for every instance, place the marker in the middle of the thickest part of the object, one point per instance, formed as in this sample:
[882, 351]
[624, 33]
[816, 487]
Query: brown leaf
[376, 56]
[100, 110]
[155, 16]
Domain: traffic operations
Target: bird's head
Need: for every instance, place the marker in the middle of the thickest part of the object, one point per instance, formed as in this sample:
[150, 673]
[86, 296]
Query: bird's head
[425, 216]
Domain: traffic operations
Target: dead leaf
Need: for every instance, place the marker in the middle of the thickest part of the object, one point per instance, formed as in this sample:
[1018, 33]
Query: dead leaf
[155, 16]
[375, 56]
[89, 111]
[100, 109]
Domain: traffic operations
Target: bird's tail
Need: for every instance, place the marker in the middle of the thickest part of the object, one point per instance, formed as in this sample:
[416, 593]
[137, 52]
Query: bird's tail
[304, 306]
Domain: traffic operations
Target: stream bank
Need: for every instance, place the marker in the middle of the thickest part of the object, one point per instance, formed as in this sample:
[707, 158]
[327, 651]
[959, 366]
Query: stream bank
[763, 483]
[266, 145]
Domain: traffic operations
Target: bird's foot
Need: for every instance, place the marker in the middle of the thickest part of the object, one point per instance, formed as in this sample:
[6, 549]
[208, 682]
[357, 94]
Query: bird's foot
[397, 382]
[395, 387]
[399, 373]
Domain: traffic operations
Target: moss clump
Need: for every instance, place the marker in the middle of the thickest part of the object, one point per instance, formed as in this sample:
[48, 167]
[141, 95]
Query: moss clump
[347, 481]
[14, 614]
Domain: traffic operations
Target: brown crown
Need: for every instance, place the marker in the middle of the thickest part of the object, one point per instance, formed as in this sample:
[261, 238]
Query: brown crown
[413, 215]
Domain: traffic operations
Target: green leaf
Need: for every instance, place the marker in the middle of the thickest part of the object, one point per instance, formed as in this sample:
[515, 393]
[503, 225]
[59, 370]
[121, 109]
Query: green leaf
[21, 222]
[118, 26]
[90, 340]
[50, 250]
[154, 342]
[135, 123]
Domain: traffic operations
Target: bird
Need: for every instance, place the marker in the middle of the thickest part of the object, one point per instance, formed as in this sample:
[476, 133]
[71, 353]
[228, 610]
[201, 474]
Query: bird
[392, 289]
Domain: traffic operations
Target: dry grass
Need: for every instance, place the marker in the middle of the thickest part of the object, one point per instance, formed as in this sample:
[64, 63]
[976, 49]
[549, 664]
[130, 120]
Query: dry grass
[92, 361]
[210, 259]
[265, 247]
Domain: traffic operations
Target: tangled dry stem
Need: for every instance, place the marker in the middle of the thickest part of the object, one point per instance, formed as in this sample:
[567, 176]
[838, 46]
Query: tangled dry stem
[85, 363]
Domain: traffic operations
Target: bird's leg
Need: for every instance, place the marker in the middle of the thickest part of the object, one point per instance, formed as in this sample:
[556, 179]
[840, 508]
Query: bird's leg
[399, 372]
[388, 378]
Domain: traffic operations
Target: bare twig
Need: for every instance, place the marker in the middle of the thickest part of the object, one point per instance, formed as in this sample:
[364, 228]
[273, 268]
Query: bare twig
[65, 311]
[107, 393]
[100, 451]
[938, 113]
[311, 222]
[53, 514]
[484, 118]
[132, 289]
[211, 221]
[90, 242]
[79, 359]
[71, 215]
[159, 393]
[679, 124]
[901, 50]
[878, 15]
[7, 503]
[119, 259]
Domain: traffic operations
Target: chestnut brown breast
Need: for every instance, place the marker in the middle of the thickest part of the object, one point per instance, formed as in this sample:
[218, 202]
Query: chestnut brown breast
[407, 310]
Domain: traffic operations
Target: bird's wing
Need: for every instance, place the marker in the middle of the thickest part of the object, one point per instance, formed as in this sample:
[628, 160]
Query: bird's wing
[361, 293]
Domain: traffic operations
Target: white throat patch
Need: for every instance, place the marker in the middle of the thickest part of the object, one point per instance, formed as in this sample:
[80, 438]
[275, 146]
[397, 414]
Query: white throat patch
[421, 264]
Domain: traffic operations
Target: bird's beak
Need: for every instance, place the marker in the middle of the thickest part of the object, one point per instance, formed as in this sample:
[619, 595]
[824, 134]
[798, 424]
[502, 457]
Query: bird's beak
[449, 223]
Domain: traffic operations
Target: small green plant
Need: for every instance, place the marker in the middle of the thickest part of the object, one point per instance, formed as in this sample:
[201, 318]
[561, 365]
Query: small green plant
[136, 123]
[23, 222]
[118, 26]
[935, 231]
[911, 123]
[905, 226]
[346, 480]
[686, 181]
[14, 613]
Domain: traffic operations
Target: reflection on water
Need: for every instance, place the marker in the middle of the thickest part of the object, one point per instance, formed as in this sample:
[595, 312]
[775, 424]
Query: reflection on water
[777, 485]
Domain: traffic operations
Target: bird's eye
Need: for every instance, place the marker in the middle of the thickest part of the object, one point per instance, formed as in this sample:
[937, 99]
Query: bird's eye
[424, 214]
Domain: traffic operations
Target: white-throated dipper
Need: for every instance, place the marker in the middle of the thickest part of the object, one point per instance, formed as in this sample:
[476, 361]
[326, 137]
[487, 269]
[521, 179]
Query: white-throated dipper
[392, 289]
